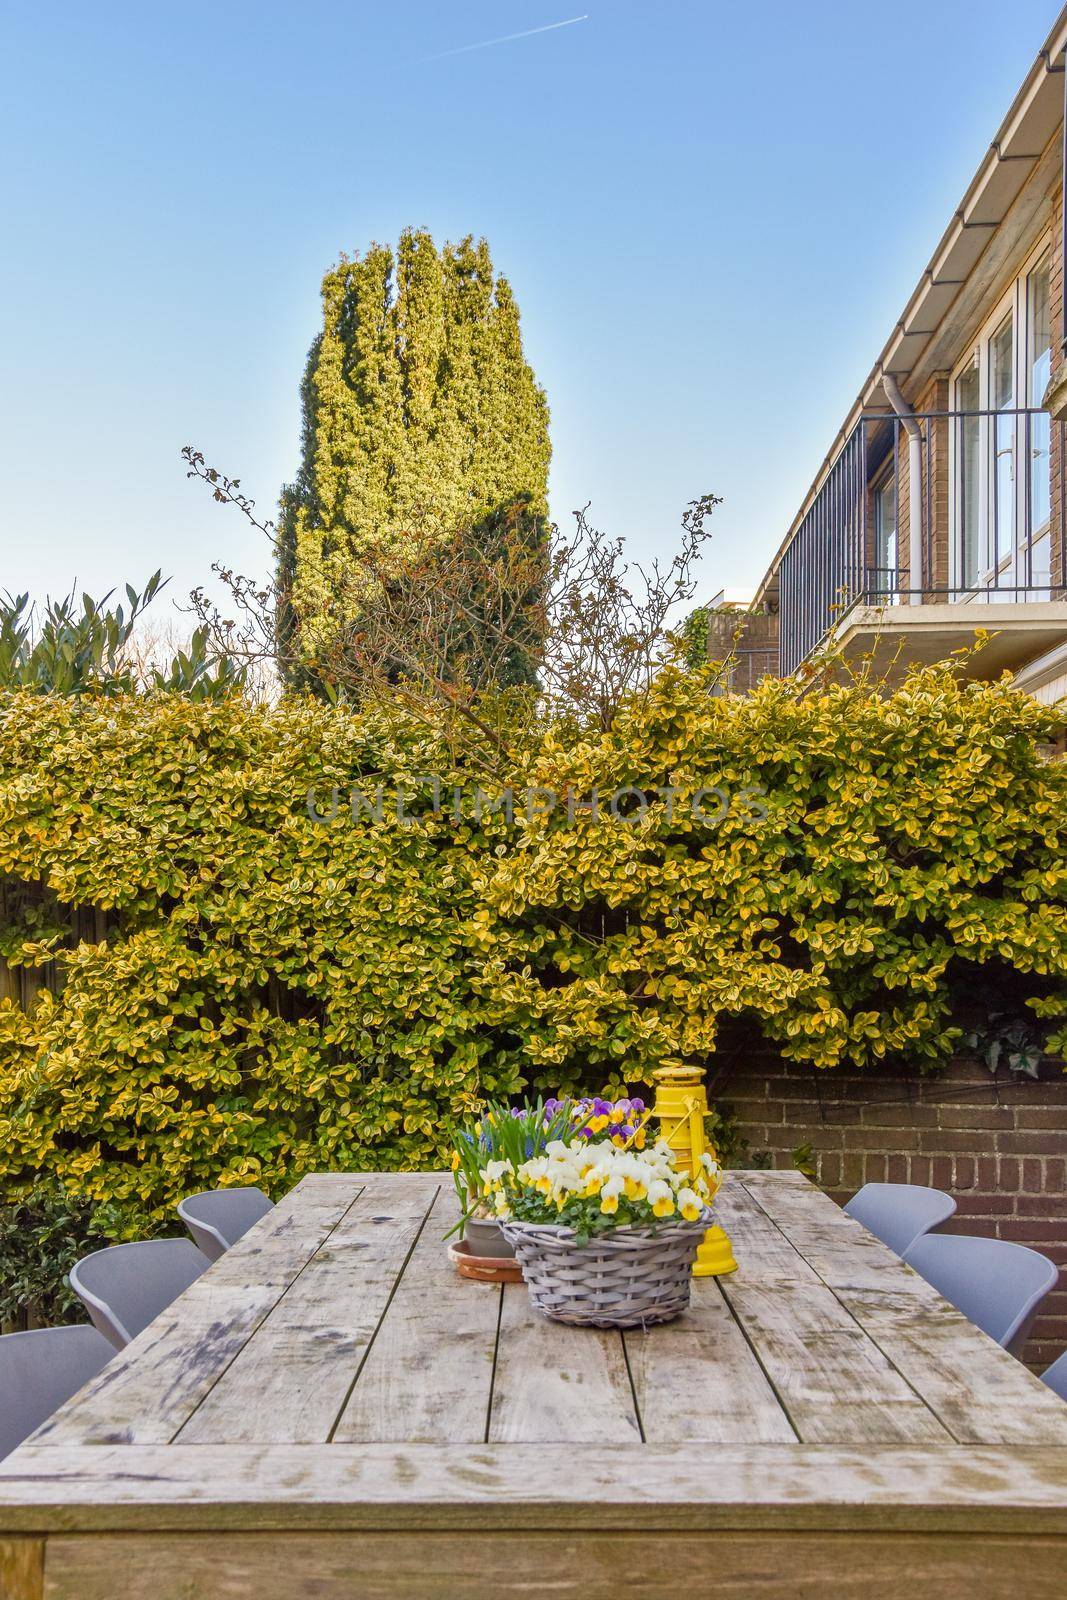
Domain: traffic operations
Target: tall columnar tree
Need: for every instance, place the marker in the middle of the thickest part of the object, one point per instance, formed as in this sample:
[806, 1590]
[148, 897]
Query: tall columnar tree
[420, 412]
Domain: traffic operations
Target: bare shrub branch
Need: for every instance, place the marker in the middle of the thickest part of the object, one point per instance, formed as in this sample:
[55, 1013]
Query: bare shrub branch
[503, 617]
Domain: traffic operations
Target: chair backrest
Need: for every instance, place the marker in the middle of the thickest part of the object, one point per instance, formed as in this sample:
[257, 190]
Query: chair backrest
[218, 1217]
[900, 1213]
[39, 1371]
[127, 1285]
[998, 1285]
[1056, 1376]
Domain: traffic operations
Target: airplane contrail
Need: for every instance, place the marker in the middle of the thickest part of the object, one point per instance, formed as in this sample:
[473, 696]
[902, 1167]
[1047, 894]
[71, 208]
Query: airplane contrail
[506, 38]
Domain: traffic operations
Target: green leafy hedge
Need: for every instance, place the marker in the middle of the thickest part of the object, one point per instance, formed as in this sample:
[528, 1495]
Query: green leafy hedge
[235, 991]
[41, 1237]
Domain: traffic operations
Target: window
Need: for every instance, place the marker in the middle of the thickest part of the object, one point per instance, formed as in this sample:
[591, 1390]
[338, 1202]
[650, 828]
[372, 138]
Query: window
[1039, 369]
[1002, 400]
[885, 539]
[968, 472]
[1000, 445]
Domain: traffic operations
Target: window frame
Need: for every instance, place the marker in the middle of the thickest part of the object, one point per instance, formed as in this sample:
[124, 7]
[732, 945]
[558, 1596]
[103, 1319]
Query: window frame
[889, 578]
[1005, 569]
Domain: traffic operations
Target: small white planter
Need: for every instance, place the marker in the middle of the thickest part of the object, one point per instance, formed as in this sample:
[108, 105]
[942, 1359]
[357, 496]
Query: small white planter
[486, 1238]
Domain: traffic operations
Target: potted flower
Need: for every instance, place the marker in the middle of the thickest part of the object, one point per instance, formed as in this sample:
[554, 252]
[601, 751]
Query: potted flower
[506, 1136]
[502, 1134]
[605, 1235]
[620, 1121]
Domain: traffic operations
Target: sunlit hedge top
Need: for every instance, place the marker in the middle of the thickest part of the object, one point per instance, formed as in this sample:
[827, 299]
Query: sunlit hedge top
[259, 993]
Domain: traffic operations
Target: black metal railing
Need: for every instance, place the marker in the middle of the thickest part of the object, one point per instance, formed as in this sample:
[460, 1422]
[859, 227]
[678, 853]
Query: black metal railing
[983, 531]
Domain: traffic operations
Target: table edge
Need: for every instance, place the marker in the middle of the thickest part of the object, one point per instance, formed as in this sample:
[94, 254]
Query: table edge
[50, 1490]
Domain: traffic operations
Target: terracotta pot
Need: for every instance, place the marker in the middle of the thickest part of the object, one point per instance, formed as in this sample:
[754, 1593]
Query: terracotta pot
[485, 1238]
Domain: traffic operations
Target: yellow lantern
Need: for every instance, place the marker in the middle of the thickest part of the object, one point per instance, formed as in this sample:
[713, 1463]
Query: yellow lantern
[681, 1106]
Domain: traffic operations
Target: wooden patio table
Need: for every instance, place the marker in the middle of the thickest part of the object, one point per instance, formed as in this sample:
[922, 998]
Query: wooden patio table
[331, 1411]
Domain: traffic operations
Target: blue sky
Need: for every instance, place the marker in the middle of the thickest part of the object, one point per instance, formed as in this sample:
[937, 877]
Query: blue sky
[711, 214]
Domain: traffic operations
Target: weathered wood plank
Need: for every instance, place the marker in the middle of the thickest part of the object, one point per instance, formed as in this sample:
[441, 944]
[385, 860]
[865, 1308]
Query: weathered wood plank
[584, 1566]
[980, 1393]
[321, 1182]
[21, 1569]
[697, 1378]
[286, 1234]
[290, 1381]
[834, 1382]
[113, 1488]
[839, 1248]
[762, 1251]
[783, 1178]
[851, 1258]
[554, 1382]
[429, 1373]
[146, 1393]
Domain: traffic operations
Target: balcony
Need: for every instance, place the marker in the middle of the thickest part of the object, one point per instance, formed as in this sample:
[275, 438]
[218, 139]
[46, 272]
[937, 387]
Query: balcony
[988, 552]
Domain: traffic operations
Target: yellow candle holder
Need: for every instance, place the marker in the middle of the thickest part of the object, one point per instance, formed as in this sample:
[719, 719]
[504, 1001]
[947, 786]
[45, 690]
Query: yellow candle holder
[681, 1106]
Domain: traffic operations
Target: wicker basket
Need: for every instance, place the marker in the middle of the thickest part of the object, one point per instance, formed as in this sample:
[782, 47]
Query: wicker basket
[624, 1278]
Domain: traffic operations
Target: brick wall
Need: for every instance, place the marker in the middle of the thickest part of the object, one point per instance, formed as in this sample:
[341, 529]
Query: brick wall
[999, 1147]
[935, 397]
[748, 641]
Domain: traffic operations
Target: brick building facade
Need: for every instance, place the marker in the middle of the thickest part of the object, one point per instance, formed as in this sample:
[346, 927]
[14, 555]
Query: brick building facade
[997, 1145]
[747, 643]
[939, 509]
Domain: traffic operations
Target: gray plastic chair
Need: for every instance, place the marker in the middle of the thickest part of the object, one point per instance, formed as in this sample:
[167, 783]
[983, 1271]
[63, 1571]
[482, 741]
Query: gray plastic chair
[39, 1371]
[1056, 1376]
[126, 1286]
[998, 1285]
[218, 1217]
[900, 1213]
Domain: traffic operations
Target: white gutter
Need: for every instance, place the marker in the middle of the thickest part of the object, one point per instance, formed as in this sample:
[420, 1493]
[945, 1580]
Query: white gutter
[915, 485]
